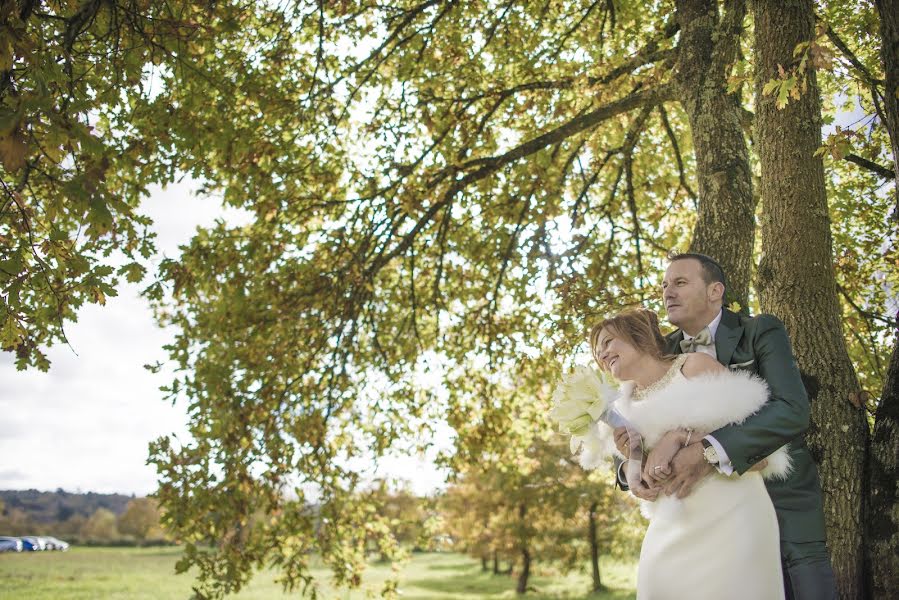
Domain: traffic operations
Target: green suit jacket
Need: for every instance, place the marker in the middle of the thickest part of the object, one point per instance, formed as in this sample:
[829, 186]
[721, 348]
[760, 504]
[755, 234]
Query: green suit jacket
[760, 345]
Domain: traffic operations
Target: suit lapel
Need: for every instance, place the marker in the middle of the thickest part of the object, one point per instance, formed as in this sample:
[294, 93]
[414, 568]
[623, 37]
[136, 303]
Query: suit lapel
[727, 336]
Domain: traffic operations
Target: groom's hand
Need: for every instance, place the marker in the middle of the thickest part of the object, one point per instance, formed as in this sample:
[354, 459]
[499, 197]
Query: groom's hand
[688, 467]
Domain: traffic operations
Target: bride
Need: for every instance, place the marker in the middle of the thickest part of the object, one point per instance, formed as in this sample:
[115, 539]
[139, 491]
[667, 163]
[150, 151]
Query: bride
[722, 540]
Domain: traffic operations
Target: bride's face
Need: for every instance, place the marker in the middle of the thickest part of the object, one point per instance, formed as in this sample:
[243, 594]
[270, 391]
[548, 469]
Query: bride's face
[617, 356]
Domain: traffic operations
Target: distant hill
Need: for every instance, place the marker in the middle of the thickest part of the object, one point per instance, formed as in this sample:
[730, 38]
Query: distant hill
[48, 507]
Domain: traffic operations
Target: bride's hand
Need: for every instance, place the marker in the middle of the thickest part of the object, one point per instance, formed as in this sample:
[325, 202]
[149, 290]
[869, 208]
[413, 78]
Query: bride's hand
[658, 463]
[641, 490]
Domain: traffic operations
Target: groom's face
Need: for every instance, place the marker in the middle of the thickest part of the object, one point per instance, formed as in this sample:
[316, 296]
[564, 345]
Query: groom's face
[690, 301]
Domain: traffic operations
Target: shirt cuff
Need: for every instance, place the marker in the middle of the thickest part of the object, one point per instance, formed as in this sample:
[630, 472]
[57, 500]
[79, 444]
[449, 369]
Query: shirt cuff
[725, 467]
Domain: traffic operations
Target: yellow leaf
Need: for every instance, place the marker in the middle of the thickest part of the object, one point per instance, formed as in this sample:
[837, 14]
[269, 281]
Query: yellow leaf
[735, 306]
[12, 151]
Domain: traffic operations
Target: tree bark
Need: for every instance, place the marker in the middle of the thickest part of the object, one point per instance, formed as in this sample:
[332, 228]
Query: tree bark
[796, 279]
[594, 549]
[725, 227]
[882, 522]
[882, 518]
[522, 585]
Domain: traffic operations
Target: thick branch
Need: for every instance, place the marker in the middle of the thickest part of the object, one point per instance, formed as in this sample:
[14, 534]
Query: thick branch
[870, 165]
[649, 97]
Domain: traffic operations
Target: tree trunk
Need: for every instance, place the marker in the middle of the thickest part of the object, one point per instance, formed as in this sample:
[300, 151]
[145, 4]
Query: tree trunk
[495, 563]
[796, 279]
[882, 517]
[882, 523]
[522, 585]
[484, 565]
[725, 227]
[594, 549]
[889, 53]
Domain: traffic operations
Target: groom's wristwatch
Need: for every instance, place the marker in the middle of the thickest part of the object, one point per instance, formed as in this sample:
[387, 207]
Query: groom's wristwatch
[709, 452]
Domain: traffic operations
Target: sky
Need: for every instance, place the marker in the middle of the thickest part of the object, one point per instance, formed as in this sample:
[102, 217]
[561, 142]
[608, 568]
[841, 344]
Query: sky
[86, 424]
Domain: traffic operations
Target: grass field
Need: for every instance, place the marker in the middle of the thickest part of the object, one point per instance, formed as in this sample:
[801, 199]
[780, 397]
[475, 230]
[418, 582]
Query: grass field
[145, 573]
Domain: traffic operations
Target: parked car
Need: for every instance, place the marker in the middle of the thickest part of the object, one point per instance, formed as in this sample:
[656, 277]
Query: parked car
[10, 544]
[31, 543]
[52, 543]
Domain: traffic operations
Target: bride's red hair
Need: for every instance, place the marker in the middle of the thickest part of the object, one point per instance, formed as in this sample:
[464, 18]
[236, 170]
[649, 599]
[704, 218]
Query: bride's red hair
[638, 327]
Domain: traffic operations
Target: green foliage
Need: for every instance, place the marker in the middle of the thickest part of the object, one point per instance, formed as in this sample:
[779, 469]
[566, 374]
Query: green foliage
[866, 255]
[76, 94]
[403, 226]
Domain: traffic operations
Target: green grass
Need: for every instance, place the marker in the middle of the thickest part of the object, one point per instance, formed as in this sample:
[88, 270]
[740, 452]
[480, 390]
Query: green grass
[145, 573]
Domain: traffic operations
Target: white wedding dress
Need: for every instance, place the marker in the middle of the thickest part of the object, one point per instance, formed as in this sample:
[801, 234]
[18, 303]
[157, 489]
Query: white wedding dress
[722, 541]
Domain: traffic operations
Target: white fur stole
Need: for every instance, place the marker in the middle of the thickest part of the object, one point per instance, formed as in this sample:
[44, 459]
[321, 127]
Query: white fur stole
[704, 403]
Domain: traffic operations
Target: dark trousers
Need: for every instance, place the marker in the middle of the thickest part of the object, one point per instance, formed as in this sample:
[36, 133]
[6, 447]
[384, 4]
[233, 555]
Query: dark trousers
[807, 572]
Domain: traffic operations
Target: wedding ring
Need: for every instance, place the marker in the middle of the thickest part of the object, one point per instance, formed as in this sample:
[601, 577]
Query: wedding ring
[657, 468]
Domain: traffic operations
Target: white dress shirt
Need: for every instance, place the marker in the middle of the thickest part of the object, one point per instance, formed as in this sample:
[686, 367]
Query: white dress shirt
[725, 467]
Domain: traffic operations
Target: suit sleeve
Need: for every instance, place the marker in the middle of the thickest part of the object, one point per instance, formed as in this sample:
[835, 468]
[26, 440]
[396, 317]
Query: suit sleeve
[786, 414]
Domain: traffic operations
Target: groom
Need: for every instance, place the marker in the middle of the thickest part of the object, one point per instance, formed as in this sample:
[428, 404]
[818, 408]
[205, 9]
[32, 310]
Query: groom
[693, 293]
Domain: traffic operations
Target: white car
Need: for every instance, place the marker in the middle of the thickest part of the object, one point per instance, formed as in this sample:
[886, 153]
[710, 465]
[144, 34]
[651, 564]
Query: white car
[52, 543]
[32, 543]
[10, 544]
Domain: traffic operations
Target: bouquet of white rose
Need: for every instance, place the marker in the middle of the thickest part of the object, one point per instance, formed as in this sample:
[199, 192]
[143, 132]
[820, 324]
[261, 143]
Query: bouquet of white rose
[584, 398]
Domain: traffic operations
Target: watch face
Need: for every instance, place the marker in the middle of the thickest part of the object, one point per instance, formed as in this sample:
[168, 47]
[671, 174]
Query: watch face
[710, 454]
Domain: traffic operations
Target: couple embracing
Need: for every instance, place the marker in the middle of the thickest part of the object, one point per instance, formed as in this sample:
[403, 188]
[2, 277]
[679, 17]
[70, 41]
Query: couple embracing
[731, 490]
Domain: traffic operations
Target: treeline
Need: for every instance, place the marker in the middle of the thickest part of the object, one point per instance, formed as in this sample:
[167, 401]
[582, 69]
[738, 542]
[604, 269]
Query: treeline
[137, 521]
[53, 507]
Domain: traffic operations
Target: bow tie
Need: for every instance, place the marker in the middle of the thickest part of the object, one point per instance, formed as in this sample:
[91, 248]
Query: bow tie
[703, 338]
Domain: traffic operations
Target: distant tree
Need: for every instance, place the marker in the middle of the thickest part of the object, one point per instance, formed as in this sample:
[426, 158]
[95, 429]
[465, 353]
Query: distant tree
[15, 521]
[141, 519]
[542, 509]
[64, 512]
[101, 526]
[71, 526]
[407, 515]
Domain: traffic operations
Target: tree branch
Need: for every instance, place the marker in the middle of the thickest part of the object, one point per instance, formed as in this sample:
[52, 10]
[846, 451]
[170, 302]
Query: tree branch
[677, 155]
[649, 97]
[870, 165]
[835, 39]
